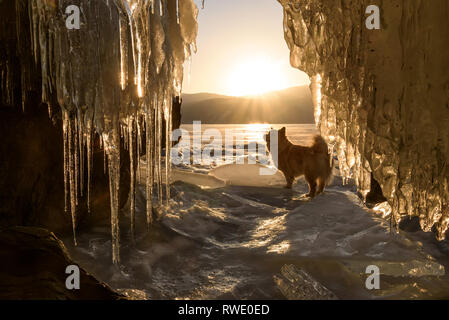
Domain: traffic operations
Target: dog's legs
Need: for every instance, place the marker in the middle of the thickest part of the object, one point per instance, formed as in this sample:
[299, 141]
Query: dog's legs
[312, 187]
[321, 185]
[289, 182]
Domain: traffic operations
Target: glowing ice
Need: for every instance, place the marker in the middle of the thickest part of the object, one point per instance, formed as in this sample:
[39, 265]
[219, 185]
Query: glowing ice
[116, 77]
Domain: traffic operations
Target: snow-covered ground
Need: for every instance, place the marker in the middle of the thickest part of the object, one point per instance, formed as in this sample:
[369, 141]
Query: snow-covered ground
[229, 230]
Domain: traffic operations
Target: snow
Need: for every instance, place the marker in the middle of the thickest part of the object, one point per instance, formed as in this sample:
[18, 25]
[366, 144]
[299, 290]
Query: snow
[247, 175]
[224, 236]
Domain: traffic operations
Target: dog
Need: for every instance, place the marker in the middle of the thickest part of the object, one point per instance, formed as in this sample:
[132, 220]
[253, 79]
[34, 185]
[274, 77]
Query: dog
[312, 162]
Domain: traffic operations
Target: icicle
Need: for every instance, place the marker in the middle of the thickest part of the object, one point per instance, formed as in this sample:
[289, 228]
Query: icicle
[65, 128]
[132, 190]
[89, 161]
[315, 87]
[159, 151]
[189, 68]
[149, 163]
[133, 49]
[75, 151]
[98, 80]
[139, 146]
[112, 147]
[81, 152]
[123, 54]
[139, 70]
[168, 129]
[72, 182]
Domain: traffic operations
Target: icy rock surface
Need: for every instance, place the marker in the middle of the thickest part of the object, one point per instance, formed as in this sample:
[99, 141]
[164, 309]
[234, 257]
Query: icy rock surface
[299, 285]
[413, 268]
[381, 96]
[116, 76]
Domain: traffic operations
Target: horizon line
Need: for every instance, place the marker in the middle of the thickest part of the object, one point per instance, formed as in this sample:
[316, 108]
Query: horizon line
[245, 96]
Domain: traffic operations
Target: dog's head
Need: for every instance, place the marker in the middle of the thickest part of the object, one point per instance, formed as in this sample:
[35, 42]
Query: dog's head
[282, 136]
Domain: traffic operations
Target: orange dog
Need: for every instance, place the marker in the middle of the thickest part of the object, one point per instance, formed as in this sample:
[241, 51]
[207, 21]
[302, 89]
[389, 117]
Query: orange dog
[312, 162]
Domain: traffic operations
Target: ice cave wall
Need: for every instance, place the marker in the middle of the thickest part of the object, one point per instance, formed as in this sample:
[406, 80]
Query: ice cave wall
[111, 83]
[384, 95]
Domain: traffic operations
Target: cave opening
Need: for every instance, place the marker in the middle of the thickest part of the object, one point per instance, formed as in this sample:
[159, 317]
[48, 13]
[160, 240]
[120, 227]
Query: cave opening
[206, 229]
[241, 81]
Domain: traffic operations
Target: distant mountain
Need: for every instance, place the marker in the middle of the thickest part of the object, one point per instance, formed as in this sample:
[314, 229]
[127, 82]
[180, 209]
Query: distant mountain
[293, 105]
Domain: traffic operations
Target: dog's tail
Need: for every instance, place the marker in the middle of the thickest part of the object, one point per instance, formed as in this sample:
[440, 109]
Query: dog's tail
[320, 146]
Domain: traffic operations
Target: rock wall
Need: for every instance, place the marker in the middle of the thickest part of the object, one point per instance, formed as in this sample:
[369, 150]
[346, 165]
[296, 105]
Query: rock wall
[381, 96]
[35, 269]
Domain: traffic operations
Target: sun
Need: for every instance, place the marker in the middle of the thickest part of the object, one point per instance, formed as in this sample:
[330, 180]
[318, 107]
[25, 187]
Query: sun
[255, 77]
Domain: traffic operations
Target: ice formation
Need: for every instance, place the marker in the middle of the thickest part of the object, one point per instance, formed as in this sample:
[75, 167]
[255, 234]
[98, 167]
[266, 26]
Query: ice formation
[116, 76]
[381, 96]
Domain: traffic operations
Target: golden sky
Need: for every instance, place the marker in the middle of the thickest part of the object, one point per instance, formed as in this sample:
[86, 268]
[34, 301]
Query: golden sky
[241, 50]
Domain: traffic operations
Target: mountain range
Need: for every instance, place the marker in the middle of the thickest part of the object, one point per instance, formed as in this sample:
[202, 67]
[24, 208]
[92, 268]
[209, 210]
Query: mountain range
[289, 106]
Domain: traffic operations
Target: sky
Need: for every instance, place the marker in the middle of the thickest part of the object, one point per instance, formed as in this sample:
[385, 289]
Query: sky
[241, 50]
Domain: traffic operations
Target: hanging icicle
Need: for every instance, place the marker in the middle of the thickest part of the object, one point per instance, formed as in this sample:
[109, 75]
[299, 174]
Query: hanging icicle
[114, 79]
